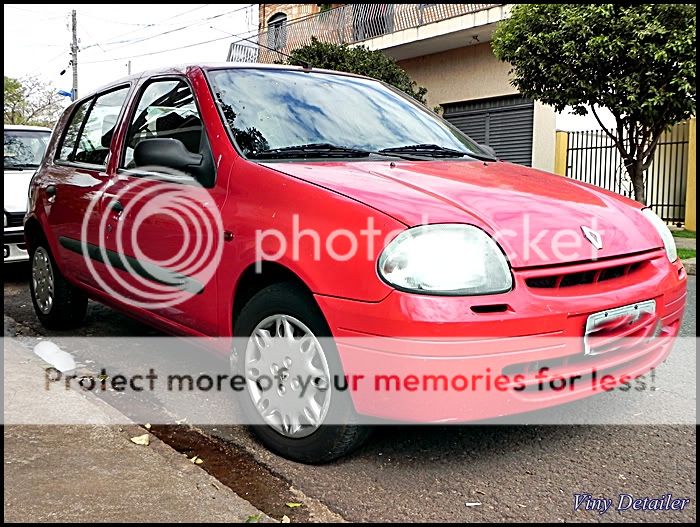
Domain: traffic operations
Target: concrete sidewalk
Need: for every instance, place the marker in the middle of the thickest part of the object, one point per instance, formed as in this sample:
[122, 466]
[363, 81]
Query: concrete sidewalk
[93, 472]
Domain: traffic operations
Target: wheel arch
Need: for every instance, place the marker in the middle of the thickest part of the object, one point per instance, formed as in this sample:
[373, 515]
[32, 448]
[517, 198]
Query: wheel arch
[256, 277]
[33, 232]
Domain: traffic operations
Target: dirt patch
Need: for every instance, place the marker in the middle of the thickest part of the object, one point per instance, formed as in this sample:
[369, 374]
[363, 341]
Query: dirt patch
[237, 469]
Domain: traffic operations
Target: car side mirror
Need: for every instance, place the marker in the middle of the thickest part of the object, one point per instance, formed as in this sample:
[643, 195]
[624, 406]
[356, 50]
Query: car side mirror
[167, 152]
[490, 151]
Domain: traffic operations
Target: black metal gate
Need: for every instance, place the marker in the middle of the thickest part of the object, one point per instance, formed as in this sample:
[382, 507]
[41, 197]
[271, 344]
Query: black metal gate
[592, 157]
[503, 123]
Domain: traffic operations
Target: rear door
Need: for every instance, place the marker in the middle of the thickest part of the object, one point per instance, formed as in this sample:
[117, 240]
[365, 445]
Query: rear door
[80, 170]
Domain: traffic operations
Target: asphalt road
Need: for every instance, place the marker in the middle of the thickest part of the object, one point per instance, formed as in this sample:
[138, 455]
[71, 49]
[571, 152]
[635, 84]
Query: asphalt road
[466, 473]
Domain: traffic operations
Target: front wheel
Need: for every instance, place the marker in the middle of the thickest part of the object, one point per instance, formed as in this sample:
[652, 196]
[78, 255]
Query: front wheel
[58, 304]
[291, 370]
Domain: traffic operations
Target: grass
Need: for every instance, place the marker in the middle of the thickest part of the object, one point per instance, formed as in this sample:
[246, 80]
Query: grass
[684, 254]
[684, 234]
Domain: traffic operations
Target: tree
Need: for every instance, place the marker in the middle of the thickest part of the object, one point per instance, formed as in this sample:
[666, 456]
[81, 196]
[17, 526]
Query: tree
[31, 101]
[360, 60]
[638, 61]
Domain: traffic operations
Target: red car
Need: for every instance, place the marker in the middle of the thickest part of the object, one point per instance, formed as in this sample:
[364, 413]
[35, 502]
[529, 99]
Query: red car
[283, 205]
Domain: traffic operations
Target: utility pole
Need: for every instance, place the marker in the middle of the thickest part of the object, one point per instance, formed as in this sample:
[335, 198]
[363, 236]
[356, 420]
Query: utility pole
[74, 53]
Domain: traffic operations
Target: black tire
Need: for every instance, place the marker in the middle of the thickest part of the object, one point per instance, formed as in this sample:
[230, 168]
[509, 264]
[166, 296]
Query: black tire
[69, 304]
[327, 442]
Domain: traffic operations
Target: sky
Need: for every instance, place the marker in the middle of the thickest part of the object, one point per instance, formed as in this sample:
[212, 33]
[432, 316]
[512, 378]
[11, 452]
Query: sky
[37, 38]
[37, 41]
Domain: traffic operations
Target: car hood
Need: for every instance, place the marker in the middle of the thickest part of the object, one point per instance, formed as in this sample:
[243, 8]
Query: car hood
[15, 189]
[536, 217]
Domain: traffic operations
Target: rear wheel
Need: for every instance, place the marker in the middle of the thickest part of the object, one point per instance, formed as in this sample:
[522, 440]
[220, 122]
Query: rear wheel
[58, 304]
[281, 338]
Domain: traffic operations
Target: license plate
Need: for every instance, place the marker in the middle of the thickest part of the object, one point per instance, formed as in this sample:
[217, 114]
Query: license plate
[596, 321]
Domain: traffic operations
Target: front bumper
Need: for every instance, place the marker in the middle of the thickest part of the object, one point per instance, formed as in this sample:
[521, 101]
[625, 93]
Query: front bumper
[515, 333]
[14, 246]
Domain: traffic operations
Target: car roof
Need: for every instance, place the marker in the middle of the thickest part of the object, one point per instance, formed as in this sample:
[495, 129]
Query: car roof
[181, 69]
[19, 127]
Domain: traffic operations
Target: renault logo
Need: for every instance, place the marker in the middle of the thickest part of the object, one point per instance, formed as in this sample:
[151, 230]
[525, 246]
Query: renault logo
[593, 237]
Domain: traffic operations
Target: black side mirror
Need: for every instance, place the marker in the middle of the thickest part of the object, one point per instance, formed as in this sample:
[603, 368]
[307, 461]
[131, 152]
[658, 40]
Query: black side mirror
[490, 151]
[167, 152]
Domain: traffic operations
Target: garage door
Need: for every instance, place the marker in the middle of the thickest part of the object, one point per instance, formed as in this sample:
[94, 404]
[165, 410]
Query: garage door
[503, 123]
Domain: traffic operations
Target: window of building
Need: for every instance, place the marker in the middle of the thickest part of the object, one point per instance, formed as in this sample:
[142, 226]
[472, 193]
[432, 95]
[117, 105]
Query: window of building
[277, 31]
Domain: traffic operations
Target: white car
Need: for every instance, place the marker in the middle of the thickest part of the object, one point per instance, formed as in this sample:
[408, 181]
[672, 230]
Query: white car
[24, 150]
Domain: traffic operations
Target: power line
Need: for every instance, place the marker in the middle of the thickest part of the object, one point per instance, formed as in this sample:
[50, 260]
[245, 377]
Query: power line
[142, 27]
[156, 52]
[169, 31]
[35, 13]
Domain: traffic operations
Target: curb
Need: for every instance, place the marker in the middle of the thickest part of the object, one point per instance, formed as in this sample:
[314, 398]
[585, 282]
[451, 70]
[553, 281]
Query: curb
[159, 454]
[689, 265]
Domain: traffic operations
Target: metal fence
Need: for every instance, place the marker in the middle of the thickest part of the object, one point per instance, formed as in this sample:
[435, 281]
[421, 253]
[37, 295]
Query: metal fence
[592, 157]
[348, 24]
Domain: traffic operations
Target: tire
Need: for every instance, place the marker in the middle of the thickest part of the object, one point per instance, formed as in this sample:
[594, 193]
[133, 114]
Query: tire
[326, 442]
[65, 306]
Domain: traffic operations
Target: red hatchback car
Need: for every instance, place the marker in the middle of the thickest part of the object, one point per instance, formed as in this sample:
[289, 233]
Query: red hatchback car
[283, 205]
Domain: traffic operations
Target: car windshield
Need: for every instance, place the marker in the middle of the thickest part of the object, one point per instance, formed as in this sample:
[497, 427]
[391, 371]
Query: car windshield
[290, 113]
[25, 148]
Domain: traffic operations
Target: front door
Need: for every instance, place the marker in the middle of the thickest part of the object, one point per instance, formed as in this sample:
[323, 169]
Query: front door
[163, 232]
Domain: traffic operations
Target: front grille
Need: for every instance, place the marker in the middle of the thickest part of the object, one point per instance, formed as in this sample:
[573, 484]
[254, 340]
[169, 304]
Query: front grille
[15, 219]
[584, 277]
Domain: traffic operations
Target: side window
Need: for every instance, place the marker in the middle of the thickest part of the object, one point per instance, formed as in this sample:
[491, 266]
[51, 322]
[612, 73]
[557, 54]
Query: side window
[72, 131]
[90, 131]
[94, 142]
[166, 109]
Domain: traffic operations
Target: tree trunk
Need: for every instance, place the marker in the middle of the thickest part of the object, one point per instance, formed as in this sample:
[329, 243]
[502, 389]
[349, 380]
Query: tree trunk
[636, 174]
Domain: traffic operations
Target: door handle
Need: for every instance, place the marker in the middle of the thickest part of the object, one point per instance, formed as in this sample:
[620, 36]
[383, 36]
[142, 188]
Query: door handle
[51, 190]
[116, 206]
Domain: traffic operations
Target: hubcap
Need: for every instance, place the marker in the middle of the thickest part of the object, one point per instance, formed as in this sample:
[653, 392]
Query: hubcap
[42, 278]
[287, 376]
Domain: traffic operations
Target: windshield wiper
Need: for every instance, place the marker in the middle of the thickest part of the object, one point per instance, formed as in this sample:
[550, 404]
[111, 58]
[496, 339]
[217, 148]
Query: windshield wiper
[431, 150]
[316, 150]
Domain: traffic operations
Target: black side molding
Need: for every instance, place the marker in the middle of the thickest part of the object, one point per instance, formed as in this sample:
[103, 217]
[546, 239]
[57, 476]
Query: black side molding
[145, 270]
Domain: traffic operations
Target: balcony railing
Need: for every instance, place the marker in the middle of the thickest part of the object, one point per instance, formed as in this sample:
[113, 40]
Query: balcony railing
[347, 24]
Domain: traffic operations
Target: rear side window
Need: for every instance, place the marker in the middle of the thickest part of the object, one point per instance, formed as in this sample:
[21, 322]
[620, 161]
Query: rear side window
[90, 133]
[72, 132]
[166, 109]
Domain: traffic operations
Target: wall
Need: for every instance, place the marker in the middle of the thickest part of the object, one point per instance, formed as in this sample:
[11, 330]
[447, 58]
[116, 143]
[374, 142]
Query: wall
[544, 137]
[471, 72]
[474, 72]
[690, 197]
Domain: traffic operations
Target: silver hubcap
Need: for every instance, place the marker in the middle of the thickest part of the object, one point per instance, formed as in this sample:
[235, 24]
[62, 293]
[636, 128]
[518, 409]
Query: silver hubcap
[287, 376]
[42, 278]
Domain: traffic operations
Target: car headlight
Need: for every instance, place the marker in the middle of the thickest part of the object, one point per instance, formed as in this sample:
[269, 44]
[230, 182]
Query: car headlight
[664, 232]
[4, 215]
[448, 259]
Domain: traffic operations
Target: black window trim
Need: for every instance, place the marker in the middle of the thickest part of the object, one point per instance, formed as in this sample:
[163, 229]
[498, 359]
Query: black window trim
[91, 99]
[121, 170]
